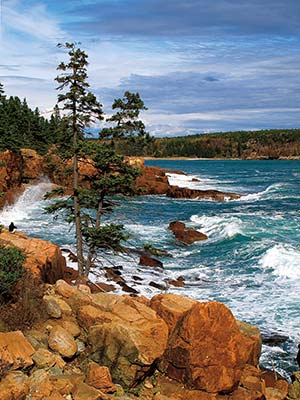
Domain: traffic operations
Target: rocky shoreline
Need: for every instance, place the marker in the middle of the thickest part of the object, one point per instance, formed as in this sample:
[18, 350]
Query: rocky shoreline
[95, 345]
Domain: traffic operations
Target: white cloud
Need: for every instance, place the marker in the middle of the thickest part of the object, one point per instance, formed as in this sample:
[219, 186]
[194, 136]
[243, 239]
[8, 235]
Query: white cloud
[34, 21]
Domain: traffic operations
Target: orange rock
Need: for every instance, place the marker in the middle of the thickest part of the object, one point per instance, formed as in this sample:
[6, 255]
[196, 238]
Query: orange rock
[40, 385]
[245, 394]
[15, 349]
[186, 235]
[33, 164]
[130, 343]
[82, 391]
[99, 377]
[153, 180]
[206, 350]
[170, 307]
[90, 315]
[43, 259]
[14, 386]
[62, 341]
[10, 175]
[253, 333]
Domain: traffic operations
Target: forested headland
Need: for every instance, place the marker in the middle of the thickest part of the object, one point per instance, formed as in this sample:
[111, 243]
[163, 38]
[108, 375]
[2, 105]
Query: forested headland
[263, 144]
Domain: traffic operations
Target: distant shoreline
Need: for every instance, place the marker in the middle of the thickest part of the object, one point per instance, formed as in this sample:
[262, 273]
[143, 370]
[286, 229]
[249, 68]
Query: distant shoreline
[296, 158]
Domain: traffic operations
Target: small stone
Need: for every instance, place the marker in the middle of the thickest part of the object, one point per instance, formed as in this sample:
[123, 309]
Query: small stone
[82, 391]
[62, 341]
[84, 289]
[64, 289]
[40, 385]
[99, 377]
[80, 346]
[52, 307]
[15, 385]
[44, 358]
[72, 327]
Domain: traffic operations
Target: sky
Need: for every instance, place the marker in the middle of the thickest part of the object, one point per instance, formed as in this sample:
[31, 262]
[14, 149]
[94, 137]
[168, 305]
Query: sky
[199, 65]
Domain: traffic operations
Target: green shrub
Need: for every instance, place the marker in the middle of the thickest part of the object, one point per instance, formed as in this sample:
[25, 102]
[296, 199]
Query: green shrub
[11, 269]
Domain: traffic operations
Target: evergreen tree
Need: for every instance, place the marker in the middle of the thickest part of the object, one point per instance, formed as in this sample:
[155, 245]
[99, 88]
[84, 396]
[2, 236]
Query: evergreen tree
[108, 174]
[82, 108]
[126, 125]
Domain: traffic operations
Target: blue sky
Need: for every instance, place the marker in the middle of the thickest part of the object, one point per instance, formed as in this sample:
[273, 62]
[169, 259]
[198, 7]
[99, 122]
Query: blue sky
[199, 65]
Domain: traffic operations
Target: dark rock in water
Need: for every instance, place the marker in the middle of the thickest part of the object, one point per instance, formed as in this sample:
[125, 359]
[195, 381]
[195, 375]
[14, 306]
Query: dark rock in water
[147, 260]
[157, 252]
[114, 275]
[157, 285]
[186, 235]
[176, 283]
[185, 193]
[127, 288]
[101, 287]
[273, 339]
[195, 180]
[137, 278]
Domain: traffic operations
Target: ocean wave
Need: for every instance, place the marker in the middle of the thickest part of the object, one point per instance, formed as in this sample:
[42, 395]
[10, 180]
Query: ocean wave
[26, 203]
[283, 259]
[267, 193]
[191, 181]
[219, 227]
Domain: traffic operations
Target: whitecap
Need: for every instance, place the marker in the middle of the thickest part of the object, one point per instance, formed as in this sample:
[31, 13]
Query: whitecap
[284, 260]
[24, 206]
[218, 227]
[274, 188]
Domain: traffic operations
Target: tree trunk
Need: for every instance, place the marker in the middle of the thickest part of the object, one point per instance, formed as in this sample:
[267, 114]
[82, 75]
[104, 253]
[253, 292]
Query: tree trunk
[79, 240]
[91, 253]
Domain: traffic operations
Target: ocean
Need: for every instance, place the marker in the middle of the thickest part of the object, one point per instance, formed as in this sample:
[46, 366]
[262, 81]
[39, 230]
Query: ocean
[250, 262]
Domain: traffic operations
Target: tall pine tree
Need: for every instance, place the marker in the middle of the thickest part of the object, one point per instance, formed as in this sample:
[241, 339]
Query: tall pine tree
[108, 174]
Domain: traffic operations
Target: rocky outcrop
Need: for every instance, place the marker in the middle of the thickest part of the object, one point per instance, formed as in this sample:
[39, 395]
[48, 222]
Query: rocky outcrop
[33, 165]
[11, 166]
[152, 180]
[178, 348]
[184, 234]
[185, 193]
[43, 259]
[207, 350]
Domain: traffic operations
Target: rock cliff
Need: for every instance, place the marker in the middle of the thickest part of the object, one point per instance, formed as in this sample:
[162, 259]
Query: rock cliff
[43, 259]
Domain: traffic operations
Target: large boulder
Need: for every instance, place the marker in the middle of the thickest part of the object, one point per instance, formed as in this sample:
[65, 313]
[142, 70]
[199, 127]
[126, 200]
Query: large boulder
[131, 343]
[171, 307]
[15, 350]
[43, 259]
[184, 234]
[207, 350]
[186, 193]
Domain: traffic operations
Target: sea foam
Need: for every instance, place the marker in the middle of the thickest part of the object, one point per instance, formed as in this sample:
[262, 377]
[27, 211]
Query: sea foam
[284, 260]
[218, 227]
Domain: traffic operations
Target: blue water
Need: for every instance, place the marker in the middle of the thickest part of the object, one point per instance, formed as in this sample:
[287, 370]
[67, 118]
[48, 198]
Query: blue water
[251, 260]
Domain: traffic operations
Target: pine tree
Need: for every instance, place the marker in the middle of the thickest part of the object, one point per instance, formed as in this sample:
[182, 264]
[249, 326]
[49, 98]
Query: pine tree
[82, 108]
[108, 174]
[127, 129]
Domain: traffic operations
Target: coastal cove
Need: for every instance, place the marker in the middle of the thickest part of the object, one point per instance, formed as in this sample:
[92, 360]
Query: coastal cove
[250, 261]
